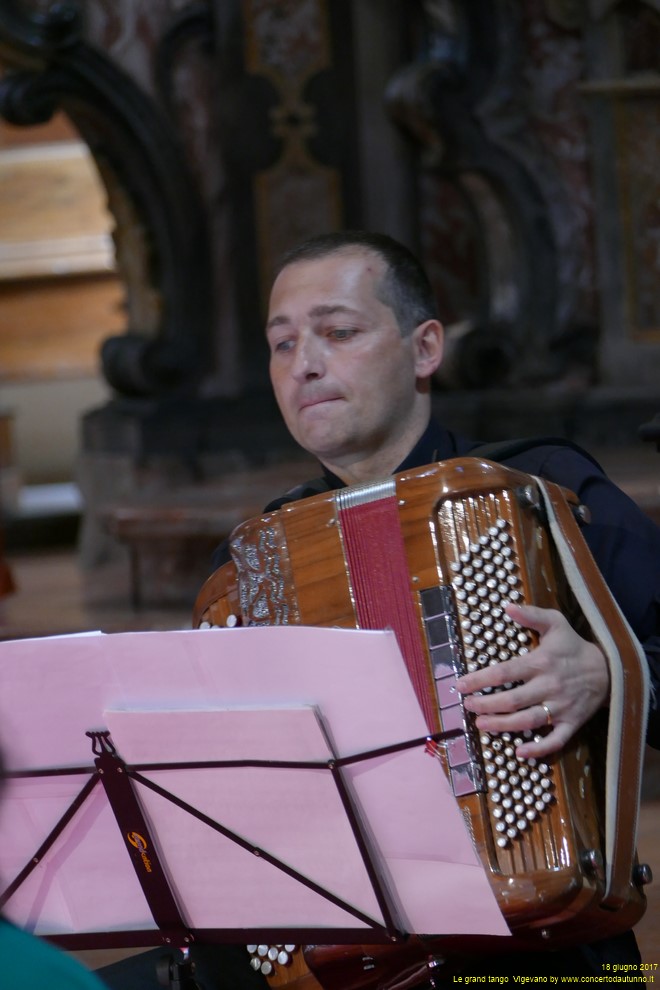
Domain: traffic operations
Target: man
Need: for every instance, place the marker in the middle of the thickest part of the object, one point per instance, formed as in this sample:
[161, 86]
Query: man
[354, 341]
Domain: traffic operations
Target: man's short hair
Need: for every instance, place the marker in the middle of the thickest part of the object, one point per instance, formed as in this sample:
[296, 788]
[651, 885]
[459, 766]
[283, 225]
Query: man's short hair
[405, 287]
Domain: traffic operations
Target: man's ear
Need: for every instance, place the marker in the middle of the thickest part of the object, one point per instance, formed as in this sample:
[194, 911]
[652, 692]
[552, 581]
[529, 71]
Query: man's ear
[428, 341]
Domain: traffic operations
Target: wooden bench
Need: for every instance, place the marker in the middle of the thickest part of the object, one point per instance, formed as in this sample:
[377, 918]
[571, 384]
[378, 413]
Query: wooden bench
[171, 537]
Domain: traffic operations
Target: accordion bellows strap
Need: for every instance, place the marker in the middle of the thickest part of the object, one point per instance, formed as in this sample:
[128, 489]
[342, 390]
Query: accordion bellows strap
[435, 553]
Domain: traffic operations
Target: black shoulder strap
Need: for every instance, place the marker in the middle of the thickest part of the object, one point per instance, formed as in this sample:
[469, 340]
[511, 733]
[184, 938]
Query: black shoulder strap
[498, 450]
[308, 488]
[502, 450]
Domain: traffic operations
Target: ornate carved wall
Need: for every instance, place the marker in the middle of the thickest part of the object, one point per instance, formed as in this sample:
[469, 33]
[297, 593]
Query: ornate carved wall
[623, 95]
[537, 131]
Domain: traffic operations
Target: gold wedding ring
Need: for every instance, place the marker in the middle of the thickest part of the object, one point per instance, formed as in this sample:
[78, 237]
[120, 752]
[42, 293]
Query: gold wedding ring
[548, 713]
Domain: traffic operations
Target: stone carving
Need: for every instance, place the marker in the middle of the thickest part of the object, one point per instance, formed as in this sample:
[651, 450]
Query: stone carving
[149, 182]
[505, 198]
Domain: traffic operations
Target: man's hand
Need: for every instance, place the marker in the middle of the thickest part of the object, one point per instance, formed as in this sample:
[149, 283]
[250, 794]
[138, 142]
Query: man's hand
[565, 680]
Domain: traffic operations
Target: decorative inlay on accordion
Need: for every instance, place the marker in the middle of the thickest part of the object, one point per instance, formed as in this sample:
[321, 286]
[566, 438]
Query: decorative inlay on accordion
[435, 553]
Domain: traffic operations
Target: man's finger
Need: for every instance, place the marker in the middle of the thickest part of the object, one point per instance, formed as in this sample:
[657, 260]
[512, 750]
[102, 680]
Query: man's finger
[534, 617]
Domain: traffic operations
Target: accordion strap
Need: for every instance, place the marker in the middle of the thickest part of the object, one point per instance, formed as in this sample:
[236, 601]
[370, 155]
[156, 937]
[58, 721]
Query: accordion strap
[629, 693]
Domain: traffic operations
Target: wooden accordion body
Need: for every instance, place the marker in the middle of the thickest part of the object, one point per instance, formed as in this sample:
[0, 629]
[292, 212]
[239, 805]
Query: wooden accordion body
[435, 553]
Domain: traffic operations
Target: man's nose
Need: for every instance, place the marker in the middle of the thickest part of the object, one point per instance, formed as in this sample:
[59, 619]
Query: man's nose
[308, 359]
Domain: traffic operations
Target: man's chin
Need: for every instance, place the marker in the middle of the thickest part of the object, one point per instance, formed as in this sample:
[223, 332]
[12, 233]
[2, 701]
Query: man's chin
[322, 446]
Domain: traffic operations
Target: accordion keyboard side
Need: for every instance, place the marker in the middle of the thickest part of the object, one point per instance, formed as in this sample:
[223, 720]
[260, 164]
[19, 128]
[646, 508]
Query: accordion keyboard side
[490, 550]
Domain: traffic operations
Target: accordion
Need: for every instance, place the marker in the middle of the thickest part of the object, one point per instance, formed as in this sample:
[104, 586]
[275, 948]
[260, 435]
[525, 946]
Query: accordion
[435, 554]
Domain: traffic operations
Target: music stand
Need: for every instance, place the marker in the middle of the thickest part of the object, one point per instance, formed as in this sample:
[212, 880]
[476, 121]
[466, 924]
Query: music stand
[244, 785]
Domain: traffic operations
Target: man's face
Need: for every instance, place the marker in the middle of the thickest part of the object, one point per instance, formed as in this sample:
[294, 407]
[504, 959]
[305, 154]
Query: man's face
[343, 375]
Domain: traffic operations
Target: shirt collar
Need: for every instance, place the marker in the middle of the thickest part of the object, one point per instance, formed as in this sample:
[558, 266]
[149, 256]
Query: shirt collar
[435, 444]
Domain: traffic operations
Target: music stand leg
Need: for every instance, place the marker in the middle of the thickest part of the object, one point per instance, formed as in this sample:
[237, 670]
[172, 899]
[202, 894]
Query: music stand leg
[177, 974]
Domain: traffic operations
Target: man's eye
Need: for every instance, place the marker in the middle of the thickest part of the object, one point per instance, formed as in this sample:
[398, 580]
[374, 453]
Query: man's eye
[342, 333]
[280, 346]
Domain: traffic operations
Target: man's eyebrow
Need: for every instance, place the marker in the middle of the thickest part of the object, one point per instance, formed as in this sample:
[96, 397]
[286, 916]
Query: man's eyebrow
[277, 321]
[330, 309]
[323, 309]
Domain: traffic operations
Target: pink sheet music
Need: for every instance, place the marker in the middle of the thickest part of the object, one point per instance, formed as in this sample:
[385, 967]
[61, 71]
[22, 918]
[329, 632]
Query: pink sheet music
[260, 693]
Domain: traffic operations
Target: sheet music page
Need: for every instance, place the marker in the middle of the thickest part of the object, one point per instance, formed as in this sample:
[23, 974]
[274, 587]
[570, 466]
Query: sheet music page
[52, 691]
